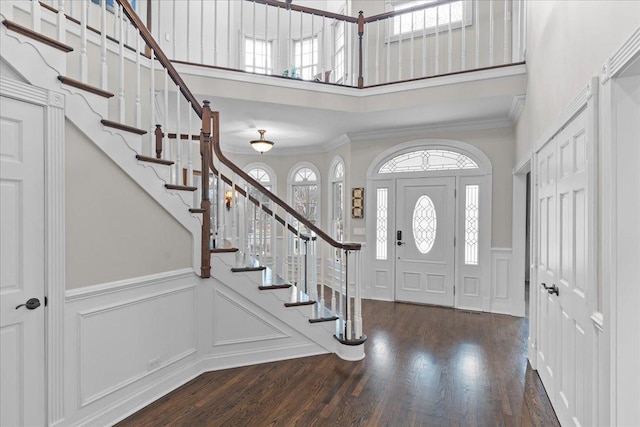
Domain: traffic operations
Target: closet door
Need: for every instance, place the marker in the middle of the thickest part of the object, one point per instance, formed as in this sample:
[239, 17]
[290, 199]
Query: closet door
[565, 349]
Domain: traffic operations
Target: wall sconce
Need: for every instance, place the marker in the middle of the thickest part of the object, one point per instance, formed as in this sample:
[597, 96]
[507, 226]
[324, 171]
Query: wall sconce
[228, 196]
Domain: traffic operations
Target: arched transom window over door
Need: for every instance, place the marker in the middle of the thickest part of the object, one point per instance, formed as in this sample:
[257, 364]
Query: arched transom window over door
[430, 223]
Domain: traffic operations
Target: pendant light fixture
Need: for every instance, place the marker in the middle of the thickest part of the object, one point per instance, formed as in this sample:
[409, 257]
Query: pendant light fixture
[261, 145]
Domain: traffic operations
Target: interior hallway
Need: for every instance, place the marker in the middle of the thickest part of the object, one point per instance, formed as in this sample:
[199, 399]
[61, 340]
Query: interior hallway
[424, 366]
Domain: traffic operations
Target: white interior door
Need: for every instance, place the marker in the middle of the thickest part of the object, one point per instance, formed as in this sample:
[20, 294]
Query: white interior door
[566, 334]
[22, 356]
[425, 226]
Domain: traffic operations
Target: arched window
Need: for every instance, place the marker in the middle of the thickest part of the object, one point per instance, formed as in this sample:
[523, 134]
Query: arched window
[336, 199]
[427, 160]
[304, 191]
[259, 224]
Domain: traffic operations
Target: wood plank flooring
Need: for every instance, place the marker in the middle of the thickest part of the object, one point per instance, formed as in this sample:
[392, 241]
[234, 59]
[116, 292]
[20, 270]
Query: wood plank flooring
[424, 366]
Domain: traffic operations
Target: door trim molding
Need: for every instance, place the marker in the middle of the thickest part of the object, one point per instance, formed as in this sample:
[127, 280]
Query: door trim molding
[54, 239]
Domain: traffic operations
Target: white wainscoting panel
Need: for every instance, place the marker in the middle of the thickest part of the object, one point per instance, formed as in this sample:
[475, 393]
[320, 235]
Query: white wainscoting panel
[502, 293]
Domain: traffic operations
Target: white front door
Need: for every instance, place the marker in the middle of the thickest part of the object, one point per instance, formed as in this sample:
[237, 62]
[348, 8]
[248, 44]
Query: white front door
[22, 356]
[425, 225]
[565, 345]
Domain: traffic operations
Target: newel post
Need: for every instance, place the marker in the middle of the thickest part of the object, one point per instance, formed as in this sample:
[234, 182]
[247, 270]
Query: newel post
[159, 136]
[360, 34]
[205, 204]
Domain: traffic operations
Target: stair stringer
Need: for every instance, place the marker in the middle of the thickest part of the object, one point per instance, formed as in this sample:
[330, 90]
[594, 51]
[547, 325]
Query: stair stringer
[246, 284]
[82, 110]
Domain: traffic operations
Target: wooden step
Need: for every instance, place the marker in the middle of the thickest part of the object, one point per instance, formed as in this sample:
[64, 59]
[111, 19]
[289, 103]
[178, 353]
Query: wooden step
[245, 269]
[196, 210]
[271, 287]
[323, 319]
[121, 126]
[222, 250]
[350, 341]
[154, 160]
[36, 36]
[80, 85]
[180, 187]
[299, 303]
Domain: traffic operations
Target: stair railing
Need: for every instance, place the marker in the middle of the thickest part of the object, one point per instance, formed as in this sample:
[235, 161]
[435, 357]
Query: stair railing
[300, 254]
[167, 119]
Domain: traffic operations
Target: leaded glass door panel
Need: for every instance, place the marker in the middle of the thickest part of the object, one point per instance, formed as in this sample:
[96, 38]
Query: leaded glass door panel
[425, 226]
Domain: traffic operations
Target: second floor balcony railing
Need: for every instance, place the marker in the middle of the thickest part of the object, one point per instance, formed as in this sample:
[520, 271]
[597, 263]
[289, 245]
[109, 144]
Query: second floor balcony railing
[388, 42]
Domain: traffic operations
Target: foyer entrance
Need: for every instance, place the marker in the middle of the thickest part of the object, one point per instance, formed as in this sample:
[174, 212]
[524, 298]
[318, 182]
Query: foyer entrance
[430, 222]
[425, 218]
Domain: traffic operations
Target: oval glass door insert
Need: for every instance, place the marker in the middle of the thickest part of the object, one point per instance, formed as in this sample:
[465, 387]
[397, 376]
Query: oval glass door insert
[425, 224]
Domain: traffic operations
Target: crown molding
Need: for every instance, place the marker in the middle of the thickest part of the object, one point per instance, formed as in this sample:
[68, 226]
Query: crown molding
[517, 105]
[492, 123]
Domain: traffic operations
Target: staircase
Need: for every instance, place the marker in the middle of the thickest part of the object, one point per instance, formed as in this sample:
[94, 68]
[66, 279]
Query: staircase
[115, 94]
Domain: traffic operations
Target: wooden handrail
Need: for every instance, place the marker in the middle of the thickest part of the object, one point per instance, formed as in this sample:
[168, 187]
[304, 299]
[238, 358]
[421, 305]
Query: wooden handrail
[213, 134]
[278, 201]
[309, 10]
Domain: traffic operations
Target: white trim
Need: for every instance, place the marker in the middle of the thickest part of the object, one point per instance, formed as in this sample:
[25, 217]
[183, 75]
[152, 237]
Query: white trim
[621, 57]
[493, 123]
[517, 105]
[54, 239]
[518, 242]
[121, 285]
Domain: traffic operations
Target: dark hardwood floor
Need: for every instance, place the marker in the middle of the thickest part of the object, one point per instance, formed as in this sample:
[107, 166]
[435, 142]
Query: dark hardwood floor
[424, 366]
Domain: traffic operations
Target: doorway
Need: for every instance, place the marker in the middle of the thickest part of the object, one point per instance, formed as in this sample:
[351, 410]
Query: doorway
[430, 225]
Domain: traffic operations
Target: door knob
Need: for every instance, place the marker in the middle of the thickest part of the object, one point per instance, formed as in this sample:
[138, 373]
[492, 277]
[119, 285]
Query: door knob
[553, 289]
[400, 243]
[32, 304]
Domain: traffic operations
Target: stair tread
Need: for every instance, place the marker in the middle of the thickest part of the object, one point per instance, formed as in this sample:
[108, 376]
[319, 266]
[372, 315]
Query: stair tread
[80, 85]
[244, 269]
[180, 187]
[271, 287]
[122, 126]
[324, 319]
[196, 210]
[299, 303]
[154, 160]
[223, 250]
[36, 36]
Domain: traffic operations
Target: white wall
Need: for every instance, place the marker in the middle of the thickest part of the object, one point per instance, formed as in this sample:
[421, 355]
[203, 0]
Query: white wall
[567, 43]
[115, 230]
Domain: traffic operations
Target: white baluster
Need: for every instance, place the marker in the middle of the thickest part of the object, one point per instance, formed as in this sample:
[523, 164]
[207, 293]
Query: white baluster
[36, 17]
[491, 32]
[189, 149]
[450, 43]
[215, 33]
[377, 52]
[62, 22]
[332, 259]
[121, 98]
[437, 48]
[222, 230]
[84, 61]
[178, 176]
[321, 49]
[412, 45]
[138, 87]
[104, 83]
[313, 72]
[285, 250]
[424, 42]
[188, 31]
[266, 36]
[400, 50]
[299, 264]
[463, 38]
[152, 102]
[388, 43]
[278, 65]
[202, 31]
[357, 314]
[229, 33]
[289, 50]
[348, 315]
[166, 153]
[477, 25]
[300, 63]
[173, 36]
[505, 33]
[341, 289]
[366, 55]
[253, 61]
[272, 242]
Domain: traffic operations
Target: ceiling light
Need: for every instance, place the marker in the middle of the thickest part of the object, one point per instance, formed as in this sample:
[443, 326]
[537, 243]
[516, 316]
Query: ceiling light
[261, 145]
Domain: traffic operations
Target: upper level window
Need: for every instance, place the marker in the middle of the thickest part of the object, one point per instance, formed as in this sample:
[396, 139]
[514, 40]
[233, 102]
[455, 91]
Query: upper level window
[257, 55]
[304, 184]
[337, 200]
[426, 19]
[305, 56]
[111, 4]
[428, 160]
